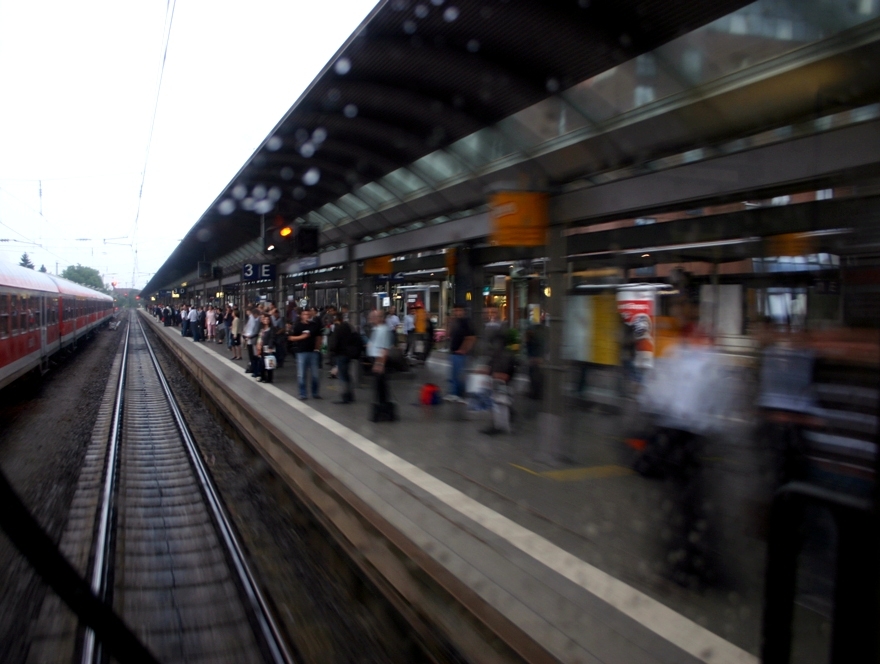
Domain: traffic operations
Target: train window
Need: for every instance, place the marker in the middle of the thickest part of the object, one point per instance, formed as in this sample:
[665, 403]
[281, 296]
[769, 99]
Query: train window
[34, 307]
[13, 312]
[23, 310]
[4, 315]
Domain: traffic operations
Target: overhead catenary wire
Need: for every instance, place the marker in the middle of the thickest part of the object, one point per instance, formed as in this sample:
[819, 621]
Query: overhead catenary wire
[169, 21]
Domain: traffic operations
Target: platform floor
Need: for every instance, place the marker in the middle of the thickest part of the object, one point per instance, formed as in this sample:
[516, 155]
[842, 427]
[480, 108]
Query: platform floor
[576, 552]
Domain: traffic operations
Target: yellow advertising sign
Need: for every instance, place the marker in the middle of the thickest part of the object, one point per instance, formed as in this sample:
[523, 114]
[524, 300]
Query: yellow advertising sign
[378, 265]
[451, 261]
[606, 330]
[789, 244]
[519, 218]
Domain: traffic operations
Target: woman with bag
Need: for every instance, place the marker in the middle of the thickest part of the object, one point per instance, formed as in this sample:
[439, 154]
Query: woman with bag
[266, 348]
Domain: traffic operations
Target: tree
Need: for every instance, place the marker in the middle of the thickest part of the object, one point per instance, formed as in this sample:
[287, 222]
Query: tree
[26, 261]
[87, 276]
[43, 268]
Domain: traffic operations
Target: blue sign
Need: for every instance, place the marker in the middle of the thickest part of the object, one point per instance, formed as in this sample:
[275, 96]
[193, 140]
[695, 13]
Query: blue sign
[257, 271]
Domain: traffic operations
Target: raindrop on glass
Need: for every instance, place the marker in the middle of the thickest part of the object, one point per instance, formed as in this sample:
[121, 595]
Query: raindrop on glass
[227, 206]
[399, 5]
[287, 173]
[473, 45]
[409, 27]
[239, 191]
[203, 235]
[311, 177]
[259, 192]
[274, 194]
[350, 111]
[319, 135]
[302, 135]
[333, 94]
[299, 193]
[264, 206]
[307, 149]
[248, 203]
[421, 11]
[342, 66]
[450, 14]
[437, 3]
[274, 143]
[552, 85]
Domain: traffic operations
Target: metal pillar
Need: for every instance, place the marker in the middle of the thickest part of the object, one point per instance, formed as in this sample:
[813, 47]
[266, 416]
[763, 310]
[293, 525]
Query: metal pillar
[552, 442]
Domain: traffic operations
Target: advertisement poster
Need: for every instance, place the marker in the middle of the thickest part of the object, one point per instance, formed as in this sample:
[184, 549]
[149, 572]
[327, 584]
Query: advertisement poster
[637, 310]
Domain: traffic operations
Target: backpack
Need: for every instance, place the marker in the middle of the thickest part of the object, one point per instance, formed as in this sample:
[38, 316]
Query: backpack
[429, 395]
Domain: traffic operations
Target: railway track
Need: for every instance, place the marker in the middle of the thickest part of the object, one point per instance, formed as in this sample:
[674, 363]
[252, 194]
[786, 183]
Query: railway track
[165, 554]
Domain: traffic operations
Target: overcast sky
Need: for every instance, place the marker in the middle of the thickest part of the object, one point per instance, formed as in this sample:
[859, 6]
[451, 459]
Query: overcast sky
[78, 83]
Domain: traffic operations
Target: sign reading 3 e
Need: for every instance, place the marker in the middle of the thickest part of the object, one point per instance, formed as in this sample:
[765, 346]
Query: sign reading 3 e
[257, 271]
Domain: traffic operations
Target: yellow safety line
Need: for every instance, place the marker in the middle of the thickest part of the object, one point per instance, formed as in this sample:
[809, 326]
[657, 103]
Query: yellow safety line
[577, 474]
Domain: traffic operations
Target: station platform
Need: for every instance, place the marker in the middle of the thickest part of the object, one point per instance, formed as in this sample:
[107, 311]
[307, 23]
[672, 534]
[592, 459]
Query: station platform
[506, 558]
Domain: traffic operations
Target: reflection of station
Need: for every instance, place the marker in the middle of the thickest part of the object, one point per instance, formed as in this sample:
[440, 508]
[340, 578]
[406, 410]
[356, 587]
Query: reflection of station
[662, 175]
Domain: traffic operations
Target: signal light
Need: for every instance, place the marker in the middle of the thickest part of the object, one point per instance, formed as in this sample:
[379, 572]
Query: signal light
[284, 232]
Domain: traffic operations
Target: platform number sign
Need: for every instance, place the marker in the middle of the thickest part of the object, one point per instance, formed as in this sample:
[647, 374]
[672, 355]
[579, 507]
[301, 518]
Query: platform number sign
[257, 271]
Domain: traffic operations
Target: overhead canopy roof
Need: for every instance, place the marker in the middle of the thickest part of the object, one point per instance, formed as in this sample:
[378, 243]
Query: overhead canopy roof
[415, 78]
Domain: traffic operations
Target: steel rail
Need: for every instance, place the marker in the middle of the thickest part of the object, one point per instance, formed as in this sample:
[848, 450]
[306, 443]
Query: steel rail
[101, 545]
[269, 632]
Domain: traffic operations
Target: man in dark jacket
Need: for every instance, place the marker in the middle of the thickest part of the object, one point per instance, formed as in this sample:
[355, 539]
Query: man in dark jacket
[346, 346]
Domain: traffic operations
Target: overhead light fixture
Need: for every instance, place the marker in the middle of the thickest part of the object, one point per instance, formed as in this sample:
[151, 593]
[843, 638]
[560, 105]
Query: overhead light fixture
[646, 255]
[270, 247]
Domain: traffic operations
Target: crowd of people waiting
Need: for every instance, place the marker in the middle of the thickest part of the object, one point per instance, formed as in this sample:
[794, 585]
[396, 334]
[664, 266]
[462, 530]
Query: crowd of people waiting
[381, 343]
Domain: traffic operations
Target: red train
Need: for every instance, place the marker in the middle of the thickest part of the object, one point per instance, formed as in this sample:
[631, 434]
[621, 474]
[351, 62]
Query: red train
[39, 315]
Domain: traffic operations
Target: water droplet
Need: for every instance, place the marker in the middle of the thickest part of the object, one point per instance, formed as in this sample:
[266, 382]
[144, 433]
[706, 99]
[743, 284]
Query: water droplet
[552, 85]
[399, 5]
[409, 27]
[227, 206]
[333, 94]
[299, 193]
[239, 191]
[248, 203]
[274, 143]
[473, 45]
[203, 235]
[342, 66]
[437, 3]
[259, 192]
[307, 149]
[350, 111]
[421, 11]
[311, 177]
[274, 194]
[302, 135]
[450, 14]
[287, 173]
[264, 206]
[319, 135]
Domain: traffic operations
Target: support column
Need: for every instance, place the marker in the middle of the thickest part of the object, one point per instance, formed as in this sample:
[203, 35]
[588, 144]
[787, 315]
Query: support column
[477, 301]
[553, 446]
[354, 293]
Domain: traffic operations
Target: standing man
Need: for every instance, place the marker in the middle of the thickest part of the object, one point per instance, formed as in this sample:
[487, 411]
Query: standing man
[303, 344]
[409, 329]
[377, 350]
[251, 329]
[393, 322]
[194, 324]
[461, 340]
[184, 320]
[346, 347]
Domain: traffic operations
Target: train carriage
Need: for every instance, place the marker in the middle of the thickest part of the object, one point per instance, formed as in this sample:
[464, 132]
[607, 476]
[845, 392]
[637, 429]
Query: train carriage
[39, 315]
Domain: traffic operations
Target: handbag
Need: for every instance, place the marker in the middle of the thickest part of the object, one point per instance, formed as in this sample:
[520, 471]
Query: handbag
[269, 362]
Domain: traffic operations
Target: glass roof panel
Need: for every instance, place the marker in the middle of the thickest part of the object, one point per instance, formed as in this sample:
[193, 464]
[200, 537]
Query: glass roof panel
[332, 213]
[353, 205]
[483, 147]
[549, 119]
[375, 194]
[315, 218]
[403, 181]
[440, 166]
